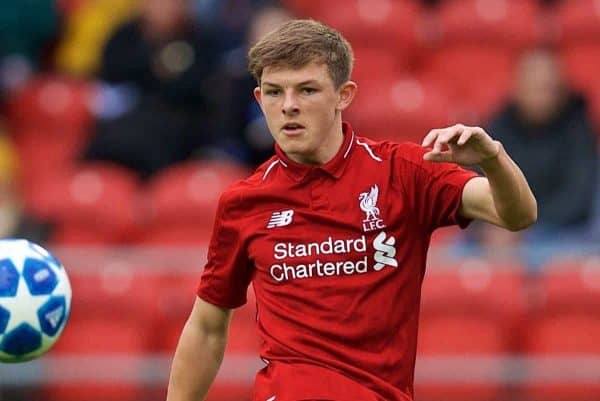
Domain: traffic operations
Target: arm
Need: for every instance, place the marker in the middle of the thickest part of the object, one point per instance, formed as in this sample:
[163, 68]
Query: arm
[199, 353]
[503, 197]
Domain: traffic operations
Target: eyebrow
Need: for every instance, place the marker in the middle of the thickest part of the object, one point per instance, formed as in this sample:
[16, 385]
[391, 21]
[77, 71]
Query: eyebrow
[309, 82]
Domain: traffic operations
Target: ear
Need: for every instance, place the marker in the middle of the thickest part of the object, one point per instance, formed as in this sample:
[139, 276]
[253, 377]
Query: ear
[258, 96]
[346, 93]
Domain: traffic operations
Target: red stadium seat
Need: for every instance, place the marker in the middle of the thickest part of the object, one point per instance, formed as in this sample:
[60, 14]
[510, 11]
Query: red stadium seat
[174, 236]
[173, 302]
[95, 335]
[305, 8]
[97, 203]
[136, 293]
[402, 108]
[94, 340]
[230, 392]
[580, 63]
[52, 102]
[476, 288]
[184, 198]
[372, 63]
[566, 351]
[474, 343]
[474, 58]
[461, 336]
[476, 78]
[563, 336]
[567, 334]
[506, 23]
[445, 236]
[569, 286]
[45, 153]
[578, 21]
[470, 310]
[386, 24]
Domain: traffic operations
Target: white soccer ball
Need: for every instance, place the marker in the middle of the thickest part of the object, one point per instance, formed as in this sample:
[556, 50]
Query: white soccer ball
[35, 300]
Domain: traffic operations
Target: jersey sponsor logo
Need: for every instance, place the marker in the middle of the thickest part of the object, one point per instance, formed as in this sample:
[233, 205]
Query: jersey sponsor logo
[281, 219]
[352, 257]
[385, 251]
[368, 204]
[288, 250]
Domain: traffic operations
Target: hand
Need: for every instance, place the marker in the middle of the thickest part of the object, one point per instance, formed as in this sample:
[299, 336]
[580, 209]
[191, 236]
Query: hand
[467, 146]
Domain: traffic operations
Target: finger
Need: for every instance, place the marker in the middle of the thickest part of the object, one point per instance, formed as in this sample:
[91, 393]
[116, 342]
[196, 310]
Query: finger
[438, 146]
[455, 133]
[442, 157]
[430, 137]
[465, 136]
[450, 135]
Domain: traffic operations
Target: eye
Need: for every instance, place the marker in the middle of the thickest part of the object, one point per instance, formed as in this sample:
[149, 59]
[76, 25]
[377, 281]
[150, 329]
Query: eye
[272, 92]
[309, 91]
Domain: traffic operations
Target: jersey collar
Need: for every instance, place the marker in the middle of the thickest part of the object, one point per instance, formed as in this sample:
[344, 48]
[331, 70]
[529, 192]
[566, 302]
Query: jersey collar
[334, 167]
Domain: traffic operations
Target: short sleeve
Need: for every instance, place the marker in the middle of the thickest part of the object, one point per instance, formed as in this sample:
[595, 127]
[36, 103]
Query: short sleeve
[227, 273]
[434, 189]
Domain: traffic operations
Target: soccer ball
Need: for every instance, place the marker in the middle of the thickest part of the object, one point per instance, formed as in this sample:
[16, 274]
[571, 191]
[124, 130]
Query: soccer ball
[35, 300]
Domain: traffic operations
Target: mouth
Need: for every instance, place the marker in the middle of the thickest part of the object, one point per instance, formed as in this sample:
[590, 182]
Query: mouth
[292, 128]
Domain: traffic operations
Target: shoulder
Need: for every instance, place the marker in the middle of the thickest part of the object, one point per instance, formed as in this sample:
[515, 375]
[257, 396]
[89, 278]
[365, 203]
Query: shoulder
[263, 176]
[234, 196]
[397, 152]
[406, 160]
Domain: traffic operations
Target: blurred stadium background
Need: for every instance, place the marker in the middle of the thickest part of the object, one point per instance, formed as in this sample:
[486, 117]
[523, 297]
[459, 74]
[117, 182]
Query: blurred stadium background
[505, 323]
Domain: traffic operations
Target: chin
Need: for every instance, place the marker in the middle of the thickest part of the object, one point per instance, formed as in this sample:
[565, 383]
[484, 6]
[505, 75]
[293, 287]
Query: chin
[295, 149]
[296, 142]
[291, 148]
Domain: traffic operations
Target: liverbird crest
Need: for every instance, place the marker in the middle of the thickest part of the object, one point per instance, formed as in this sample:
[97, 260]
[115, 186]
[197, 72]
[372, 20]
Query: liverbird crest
[368, 203]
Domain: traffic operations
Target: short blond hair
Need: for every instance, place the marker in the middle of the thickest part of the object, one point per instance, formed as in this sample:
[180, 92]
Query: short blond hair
[299, 42]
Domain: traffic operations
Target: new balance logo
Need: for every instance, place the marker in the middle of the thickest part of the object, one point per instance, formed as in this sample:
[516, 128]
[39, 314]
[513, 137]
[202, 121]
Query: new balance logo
[281, 219]
[385, 251]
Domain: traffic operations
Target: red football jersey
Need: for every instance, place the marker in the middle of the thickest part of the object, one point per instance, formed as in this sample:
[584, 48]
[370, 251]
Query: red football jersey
[336, 254]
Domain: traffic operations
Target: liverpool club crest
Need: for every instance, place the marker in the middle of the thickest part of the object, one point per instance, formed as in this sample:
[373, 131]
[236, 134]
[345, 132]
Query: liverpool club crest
[368, 204]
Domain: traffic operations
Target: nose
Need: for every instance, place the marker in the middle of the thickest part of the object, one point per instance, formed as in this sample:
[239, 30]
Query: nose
[290, 105]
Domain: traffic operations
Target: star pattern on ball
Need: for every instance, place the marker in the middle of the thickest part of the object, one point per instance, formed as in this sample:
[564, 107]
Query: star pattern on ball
[26, 313]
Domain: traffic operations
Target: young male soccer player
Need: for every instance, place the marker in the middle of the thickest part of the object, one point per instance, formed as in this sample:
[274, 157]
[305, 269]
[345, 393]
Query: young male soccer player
[333, 232]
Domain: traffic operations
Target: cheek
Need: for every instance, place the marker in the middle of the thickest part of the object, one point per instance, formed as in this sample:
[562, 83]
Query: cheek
[271, 109]
[324, 113]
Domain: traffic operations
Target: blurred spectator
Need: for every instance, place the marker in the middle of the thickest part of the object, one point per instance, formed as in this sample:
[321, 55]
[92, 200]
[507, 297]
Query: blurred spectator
[14, 222]
[231, 18]
[546, 129]
[9, 214]
[26, 29]
[86, 29]
[160, 104]
[249, 140]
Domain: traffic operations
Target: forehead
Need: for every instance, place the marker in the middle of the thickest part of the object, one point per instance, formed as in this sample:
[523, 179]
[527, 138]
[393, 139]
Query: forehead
[288, 76]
